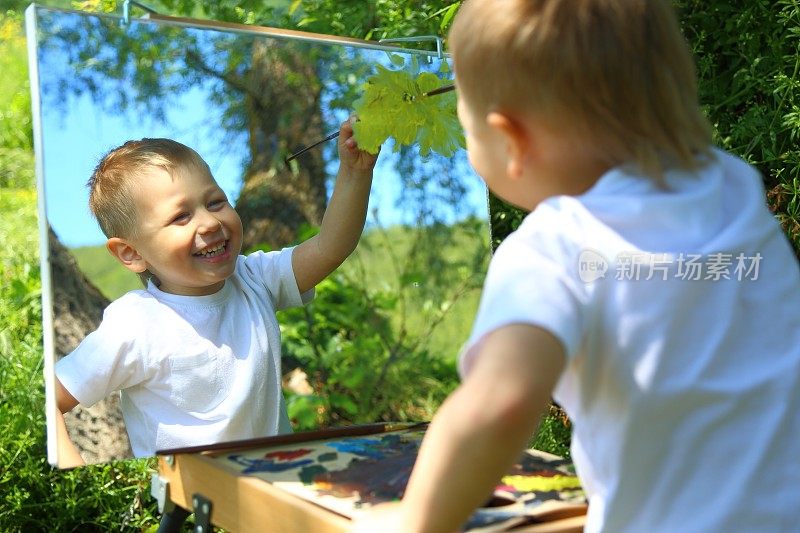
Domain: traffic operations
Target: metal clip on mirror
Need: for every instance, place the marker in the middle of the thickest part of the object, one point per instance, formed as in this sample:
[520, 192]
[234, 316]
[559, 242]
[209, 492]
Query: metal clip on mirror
[419, 38]
[126, 10]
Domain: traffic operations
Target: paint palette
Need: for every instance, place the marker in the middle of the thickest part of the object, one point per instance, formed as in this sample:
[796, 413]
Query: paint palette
[350, 474]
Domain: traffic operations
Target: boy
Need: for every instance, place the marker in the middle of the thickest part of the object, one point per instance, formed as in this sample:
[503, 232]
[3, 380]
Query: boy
[197, 354]
[649, 289]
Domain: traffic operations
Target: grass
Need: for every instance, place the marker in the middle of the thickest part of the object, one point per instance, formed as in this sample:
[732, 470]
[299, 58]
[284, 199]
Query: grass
[111, 278]
[437, 283]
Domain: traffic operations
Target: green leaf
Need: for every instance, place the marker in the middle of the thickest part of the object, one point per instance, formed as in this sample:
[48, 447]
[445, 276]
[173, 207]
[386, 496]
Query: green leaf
[393, 105]
[448, 16]
[293, 7]
[303, 409]
[344, 402]
[397, 60]
[354, 378]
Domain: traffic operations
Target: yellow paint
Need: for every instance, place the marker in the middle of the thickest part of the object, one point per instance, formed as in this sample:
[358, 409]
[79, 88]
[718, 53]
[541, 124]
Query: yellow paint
[541, 483]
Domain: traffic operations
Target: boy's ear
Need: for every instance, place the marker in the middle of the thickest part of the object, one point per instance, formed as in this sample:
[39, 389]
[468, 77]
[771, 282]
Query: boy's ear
[126, 254]
[517, 140]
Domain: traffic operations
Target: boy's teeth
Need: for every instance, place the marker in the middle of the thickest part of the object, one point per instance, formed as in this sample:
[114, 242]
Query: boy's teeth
[212, 251]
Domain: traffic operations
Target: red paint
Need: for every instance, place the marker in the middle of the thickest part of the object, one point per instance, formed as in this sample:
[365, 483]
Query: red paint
[287, 455]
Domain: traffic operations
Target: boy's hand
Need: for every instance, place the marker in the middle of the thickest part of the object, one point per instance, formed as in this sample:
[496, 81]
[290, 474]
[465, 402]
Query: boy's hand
[350, 156]
[480, 425]
[68, 454]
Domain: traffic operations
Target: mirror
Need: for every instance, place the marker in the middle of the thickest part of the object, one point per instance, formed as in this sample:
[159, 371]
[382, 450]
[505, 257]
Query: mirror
[390, 321]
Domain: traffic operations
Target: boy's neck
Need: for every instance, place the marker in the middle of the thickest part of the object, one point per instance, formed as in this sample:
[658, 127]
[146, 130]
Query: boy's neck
[567, 167]
[582, 173]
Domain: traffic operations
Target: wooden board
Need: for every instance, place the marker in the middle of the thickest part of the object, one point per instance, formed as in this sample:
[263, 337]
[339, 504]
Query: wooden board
[318, 481]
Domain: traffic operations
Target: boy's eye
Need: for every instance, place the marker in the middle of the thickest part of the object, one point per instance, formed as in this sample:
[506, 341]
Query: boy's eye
[217, 204]
[182, 217]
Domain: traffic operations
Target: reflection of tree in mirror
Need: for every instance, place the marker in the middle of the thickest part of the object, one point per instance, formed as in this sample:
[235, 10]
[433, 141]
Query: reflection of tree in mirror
[77, 309]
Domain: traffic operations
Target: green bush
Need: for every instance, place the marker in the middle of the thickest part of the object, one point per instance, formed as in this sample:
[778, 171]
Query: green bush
[16, 138]
[748, 60]
[16, 168]
[362, 371]
[359, 368]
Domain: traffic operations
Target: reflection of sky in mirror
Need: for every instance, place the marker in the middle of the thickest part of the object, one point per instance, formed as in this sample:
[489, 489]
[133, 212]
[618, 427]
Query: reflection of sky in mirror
[77, 132]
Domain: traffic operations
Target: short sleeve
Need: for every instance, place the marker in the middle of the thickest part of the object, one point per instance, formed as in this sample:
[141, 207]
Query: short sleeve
[528, 284]
[107, 360]
[273, 271]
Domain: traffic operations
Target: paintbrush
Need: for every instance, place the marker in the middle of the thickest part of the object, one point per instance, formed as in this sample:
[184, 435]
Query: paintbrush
[434, 92]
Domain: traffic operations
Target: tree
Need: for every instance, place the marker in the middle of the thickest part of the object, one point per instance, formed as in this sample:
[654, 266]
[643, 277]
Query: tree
[748, 58]
[77, 309]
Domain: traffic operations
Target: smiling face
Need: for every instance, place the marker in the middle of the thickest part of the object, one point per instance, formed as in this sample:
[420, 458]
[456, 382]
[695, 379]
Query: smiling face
[188, 234]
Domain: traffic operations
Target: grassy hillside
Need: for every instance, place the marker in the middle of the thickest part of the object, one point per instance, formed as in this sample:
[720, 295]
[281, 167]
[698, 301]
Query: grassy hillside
[436, 274]
[106, 273]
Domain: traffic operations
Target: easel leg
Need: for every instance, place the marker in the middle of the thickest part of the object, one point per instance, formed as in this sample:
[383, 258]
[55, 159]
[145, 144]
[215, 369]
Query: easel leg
[172, 521]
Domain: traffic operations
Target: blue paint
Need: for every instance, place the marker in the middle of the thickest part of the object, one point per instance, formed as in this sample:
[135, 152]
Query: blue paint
[361, 447]
[254, 466]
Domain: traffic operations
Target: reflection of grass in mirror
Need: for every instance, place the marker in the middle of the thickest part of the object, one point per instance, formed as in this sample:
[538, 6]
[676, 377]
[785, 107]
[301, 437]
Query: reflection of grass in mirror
[378, 342]
[440, 279]
[104, 271]
[33, 495]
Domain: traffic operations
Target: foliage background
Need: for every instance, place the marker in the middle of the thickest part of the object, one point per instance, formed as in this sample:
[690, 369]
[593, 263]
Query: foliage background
[748, 56]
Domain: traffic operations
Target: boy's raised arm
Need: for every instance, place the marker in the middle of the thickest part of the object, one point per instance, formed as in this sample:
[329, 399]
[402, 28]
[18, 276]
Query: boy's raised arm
[344, 218]
[478, 433]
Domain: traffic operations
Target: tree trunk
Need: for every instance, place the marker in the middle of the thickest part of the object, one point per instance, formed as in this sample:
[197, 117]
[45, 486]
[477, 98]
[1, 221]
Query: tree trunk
[283, 114]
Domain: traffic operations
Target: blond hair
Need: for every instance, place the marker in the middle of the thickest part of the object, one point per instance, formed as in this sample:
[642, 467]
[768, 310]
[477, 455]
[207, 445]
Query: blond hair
[113, 182]
[618, 73]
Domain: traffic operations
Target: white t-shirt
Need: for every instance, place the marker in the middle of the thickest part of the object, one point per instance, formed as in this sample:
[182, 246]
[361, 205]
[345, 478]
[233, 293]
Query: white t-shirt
[682, 381]
[192, 370]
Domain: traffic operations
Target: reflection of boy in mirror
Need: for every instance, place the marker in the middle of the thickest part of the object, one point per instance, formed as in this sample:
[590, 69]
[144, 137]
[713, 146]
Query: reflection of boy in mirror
[682, 382]
[196, 355]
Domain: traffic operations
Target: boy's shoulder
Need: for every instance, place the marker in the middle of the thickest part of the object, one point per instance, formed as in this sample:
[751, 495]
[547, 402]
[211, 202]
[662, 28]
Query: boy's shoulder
[265, 265]
[133, 307]
[133, 297]
[560, 223]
